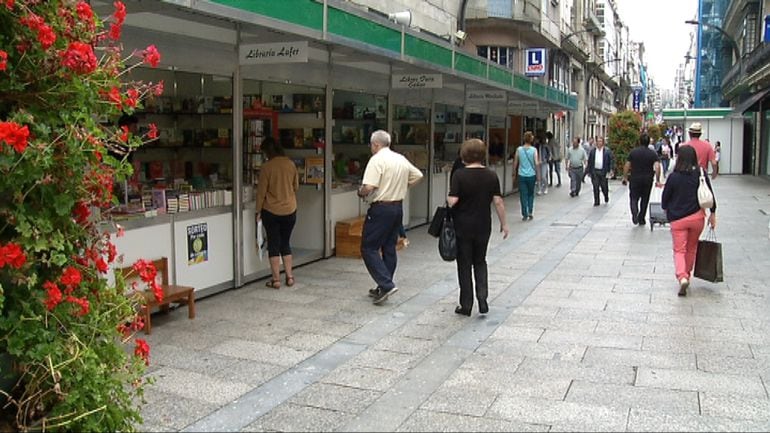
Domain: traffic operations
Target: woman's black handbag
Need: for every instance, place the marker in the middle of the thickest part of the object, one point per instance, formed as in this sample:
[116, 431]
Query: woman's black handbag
[708, 259]
[447, 241]
[438, 220]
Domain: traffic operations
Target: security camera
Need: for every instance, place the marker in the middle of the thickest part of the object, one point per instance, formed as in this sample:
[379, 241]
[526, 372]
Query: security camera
[460, 36]
[403, 18]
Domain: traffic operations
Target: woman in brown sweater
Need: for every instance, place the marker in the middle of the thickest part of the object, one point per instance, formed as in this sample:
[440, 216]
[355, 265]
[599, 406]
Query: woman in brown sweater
[277, 208]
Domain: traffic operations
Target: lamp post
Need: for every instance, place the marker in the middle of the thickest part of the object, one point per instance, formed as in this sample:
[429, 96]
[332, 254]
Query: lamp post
[733, 45]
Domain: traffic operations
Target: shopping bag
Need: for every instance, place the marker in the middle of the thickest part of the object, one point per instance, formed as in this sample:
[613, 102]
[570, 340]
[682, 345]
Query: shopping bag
[261, 240]
[708, 259]
[447, 241]
[438, 219]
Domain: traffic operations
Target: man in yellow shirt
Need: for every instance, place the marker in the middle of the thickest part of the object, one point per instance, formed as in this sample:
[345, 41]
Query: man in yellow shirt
[387, 178]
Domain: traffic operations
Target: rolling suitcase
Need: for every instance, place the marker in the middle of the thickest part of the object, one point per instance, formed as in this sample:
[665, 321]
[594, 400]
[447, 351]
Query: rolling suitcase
[657, 214]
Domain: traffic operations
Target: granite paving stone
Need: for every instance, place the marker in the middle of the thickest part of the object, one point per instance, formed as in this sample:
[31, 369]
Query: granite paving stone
[653, 421]
[427, 420]
[376, 379]
[600, 356]
[197, 386]
[541, 369]
[171, 412]
[735, 406]
[537, 411]
[629, 396]
[336, 397]
[297, 418]
[700, 381]
[256, 351]
[699, 347]
[596, 339]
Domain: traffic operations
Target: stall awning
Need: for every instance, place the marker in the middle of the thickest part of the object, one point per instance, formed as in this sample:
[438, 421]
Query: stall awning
[752, 103]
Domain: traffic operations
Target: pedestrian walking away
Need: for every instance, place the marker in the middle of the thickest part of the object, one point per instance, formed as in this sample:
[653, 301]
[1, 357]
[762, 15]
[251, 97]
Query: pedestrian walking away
[554, 163]
[525, 165]
[680, 201]
[542, 166]
[471, 192]
[387, 178]
[642, 165]
[277, 208]
[600, 168]
[703, 149]
[575, 164]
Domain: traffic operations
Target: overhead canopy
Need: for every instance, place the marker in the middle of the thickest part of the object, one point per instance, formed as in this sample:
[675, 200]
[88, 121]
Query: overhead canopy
[362, 49]
[752, 102]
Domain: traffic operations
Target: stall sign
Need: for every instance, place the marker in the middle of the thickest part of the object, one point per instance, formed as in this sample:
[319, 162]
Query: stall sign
[197, 244]
[279, 52]
[417, 81]
[487, 95]
[535, 62]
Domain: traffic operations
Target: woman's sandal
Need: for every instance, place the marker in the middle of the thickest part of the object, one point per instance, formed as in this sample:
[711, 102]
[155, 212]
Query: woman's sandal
[273, 284]
[289, 281]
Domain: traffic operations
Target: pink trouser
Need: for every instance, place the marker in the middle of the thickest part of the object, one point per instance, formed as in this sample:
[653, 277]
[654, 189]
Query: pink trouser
[685, 233]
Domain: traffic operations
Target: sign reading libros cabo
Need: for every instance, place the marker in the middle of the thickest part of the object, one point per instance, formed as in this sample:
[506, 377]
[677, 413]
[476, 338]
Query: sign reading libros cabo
[417, 81]
[280, 52]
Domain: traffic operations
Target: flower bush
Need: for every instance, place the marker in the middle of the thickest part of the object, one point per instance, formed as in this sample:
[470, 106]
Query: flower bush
[623, 135]
[66, 326]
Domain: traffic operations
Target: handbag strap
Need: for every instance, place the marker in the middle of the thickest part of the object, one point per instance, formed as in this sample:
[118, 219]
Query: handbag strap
[711, 235]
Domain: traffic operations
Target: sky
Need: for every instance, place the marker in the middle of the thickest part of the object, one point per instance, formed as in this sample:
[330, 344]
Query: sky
[660, 25]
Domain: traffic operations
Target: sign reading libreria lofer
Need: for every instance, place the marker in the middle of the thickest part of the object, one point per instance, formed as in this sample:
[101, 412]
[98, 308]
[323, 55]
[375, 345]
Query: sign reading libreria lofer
[417, 81]
[535, 62]
[280, 52]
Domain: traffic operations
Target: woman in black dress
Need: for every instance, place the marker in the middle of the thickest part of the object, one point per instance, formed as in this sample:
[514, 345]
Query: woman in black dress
[472, 191]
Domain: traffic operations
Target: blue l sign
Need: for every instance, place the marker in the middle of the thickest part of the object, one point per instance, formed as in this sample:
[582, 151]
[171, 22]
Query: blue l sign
[535, 62]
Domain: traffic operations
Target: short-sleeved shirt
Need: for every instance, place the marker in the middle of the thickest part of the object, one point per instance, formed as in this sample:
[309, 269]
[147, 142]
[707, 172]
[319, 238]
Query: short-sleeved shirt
[390, 173]
[704, 150]
[474, 188]
[277, 186]
[577, 157]
[526, 161]
[642, 161]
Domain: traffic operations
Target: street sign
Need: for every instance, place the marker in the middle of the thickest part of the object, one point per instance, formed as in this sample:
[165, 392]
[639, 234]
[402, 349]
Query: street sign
[637, 99]
[535, 62]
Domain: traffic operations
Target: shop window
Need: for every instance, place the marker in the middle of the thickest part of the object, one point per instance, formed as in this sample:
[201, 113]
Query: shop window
[501, 55]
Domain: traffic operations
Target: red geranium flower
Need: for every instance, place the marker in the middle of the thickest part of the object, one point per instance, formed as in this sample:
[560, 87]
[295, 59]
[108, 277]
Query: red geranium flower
[3, 60]
[71, 277]
[11, 254]
[80, 58]
[153, 132]
[14, 135]
[53, 295]
[81, 213]
[151, 56]
[142, 350]
[9, 4]
[114, 96]
[124, 133]
[158, 89]
[101, 265]
[84, 11]
[82, 302]
[46, 36]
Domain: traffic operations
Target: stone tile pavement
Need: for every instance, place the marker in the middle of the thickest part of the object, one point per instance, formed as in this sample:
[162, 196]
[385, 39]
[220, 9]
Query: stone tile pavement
[585, 332]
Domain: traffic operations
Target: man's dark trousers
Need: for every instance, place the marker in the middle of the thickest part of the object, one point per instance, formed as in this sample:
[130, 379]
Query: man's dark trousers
[378, 242]
[599, 180]
[639, 192]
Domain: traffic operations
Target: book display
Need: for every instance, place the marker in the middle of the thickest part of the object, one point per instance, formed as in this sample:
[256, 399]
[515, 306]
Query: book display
[189, 165]
[447, 135]
[356, 116]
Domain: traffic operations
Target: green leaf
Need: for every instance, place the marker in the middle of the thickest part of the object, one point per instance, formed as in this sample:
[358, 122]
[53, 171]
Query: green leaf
[63, 204]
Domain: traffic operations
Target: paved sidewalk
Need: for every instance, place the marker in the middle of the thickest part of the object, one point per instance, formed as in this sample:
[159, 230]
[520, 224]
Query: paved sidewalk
[585, 332]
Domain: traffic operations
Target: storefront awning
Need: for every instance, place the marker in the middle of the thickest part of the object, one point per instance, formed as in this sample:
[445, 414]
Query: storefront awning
[752, 103]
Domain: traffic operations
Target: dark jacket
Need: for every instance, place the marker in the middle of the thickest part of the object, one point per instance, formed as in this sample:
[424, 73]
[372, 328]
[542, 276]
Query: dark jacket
[607, 166]
[680, 195]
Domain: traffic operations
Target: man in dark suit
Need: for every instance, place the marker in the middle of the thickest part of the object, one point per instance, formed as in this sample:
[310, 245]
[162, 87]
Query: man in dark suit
[600, 167]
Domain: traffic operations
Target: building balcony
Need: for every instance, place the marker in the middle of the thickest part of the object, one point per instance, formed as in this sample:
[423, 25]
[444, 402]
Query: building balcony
[592, 23]
[525, 16]
[748, 72]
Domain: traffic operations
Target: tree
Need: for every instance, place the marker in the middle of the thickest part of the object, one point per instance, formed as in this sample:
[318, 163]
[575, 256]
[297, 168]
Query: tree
[62, 323]
[623, 135]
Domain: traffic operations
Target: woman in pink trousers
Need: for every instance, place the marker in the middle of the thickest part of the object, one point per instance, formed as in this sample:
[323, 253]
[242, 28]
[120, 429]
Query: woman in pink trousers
[680, 201]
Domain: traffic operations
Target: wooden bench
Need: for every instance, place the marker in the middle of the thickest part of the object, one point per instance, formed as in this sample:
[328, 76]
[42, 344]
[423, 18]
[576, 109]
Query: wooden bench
[171, 293]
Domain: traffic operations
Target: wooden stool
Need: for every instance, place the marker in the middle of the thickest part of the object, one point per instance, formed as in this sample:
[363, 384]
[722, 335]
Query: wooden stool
[171, 293]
